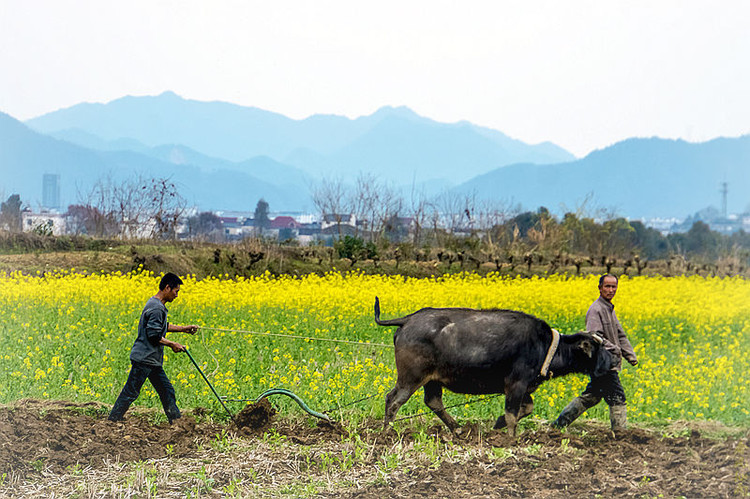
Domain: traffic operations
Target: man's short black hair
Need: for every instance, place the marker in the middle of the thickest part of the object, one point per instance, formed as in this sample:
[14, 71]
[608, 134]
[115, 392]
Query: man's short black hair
[601, 279]
[169, 279]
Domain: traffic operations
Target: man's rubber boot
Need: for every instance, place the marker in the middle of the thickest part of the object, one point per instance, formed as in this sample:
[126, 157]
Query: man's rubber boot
[618, 417]
[571, 412]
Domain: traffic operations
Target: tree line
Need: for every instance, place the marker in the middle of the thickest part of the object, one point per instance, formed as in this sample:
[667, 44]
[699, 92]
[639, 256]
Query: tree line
[407, 226]
[499, 231]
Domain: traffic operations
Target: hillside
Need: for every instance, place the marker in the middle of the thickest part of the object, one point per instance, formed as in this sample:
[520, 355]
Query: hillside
[322, 145]
[226, 157]
[26, 155]
[635, 178]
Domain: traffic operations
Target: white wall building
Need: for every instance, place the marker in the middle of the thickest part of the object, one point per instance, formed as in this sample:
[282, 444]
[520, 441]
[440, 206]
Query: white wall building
[43, 221]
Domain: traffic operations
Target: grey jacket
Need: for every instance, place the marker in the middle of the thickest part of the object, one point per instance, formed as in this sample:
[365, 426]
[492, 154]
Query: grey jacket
[151, 328]
[601, 317]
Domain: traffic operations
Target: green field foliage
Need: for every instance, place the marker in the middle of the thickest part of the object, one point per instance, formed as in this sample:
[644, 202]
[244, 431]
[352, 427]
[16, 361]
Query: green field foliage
[67, 336]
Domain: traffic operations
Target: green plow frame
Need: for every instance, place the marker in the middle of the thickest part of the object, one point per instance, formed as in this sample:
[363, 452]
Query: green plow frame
[288, 393]
[272, 391]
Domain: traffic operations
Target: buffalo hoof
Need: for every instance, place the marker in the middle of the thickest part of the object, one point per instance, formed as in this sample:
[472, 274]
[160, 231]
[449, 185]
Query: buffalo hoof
[500, 423]
[618, 433]
[389, 431]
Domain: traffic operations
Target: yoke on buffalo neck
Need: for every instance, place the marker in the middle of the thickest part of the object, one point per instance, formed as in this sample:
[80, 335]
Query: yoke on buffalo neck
[550, 353]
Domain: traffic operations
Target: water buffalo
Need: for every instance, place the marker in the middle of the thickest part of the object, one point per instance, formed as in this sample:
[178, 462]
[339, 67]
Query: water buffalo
[483, 351]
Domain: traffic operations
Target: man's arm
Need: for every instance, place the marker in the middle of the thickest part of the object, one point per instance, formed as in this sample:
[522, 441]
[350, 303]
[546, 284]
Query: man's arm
[173, 328]
[176, 347]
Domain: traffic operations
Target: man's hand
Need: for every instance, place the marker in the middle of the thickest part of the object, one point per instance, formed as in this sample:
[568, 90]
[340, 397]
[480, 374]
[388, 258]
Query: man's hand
[177, 348]
[174, 328]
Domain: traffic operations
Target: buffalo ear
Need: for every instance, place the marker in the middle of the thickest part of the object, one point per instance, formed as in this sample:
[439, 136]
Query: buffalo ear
[588, 348]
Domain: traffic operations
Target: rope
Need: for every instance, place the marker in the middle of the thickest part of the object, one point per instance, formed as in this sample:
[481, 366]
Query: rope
[358, 343]
[202, 341]
[350, 403]
[449, 407]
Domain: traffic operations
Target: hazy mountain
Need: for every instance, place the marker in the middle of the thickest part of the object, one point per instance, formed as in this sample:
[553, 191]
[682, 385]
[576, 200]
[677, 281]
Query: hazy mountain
[226, 157]
[401, 149]
[26, 155]
[91, 141]
[637, 178]
[394, 143]
[260, 167]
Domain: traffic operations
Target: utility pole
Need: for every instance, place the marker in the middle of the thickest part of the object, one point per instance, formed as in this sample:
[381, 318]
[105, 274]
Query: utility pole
[724, 190]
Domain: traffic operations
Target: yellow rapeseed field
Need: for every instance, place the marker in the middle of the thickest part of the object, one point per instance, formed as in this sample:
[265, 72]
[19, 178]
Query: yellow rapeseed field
[68, 336]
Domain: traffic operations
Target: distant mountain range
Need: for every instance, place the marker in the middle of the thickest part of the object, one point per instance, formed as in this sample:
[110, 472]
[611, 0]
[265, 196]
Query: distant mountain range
[636, 178]
[394, 142]
[227, 157]
[25, 155]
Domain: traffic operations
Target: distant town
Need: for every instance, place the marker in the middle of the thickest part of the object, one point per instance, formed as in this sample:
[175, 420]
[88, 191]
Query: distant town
[304, 228]
[233, 226]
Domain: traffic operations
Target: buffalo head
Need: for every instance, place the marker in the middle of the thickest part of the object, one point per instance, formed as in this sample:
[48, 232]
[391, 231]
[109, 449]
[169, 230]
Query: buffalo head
[592, 354]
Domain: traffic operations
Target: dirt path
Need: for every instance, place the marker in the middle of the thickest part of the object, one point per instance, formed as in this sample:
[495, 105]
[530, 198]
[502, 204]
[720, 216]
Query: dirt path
[65, 448]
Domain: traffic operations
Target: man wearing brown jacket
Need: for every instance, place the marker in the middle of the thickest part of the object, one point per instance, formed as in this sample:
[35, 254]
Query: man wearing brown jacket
[601, 318]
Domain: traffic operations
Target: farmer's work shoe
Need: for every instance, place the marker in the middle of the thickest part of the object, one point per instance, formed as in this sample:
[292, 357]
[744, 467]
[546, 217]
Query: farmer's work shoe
[571, 412]
[618, 417]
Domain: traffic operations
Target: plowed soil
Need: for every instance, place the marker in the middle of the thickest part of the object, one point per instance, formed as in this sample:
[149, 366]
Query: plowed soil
[61, 448]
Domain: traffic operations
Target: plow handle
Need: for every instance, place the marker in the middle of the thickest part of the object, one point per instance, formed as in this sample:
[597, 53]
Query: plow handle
[231, 416]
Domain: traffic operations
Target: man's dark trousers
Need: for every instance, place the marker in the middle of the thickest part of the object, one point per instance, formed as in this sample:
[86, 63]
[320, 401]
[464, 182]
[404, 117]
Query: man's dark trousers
[139, 373]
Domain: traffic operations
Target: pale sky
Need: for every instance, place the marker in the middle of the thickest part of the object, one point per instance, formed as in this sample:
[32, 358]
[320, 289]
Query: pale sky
[582, 74]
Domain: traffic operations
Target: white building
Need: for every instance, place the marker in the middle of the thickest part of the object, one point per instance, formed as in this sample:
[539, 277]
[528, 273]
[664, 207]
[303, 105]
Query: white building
[46, 221]
[331, 220]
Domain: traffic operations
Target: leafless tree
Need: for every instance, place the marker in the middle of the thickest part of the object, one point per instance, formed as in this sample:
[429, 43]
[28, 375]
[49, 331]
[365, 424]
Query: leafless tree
[96, 213]
[493, 214]
[377, 204]
[458, 211]
[364, 202]
[387, 210]
[165, 207]
[330, 198]
[418, 208]
[130, 208]
[87, 219]
[130, 205]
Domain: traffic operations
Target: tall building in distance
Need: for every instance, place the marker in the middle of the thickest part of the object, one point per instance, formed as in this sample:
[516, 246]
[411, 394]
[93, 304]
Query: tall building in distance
[51, 191]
